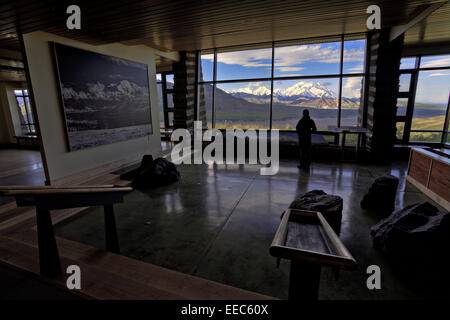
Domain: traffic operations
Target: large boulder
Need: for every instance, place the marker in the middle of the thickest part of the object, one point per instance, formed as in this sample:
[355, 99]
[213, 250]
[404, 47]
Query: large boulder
[330, 206]
[417, 235]
[152, 173]
[381, 195]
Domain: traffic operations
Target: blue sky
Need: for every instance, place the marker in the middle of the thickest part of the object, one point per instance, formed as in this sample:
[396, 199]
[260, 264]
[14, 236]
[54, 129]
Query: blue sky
[301, 60]
[434, 86]
[320, 59]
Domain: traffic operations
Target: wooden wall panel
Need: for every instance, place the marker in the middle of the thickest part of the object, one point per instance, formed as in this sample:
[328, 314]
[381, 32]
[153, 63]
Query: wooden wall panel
[440, 180]
[419, 167]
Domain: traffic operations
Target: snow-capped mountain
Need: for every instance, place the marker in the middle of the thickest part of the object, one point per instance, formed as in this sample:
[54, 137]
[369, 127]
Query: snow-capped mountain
[258, 91]
[306, 89]
[302, 88]
[302, 93]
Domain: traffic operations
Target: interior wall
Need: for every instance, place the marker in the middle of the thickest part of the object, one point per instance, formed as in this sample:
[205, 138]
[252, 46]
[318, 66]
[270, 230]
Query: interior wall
[4, 121]
[59, 161]
[9, 116]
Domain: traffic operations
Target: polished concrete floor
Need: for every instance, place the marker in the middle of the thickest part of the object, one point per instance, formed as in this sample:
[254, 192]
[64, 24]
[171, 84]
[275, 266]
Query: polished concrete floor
[20, 167]
[219, 221]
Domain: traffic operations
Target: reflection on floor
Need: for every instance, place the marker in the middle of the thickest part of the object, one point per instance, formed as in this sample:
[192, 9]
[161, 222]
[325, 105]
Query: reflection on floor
[219, 221]
[20, 167]
[166, 146]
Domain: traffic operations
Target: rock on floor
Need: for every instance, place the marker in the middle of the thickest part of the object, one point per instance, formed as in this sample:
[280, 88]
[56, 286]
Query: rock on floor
[330, 206]
[419, 234]
[381, 195]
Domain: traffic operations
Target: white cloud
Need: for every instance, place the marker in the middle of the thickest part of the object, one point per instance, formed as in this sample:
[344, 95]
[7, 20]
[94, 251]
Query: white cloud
[442, 62]
[352, 88]
[286, 57]
[254, 84]
[209, 57]
[439, 74]
[247, 58]
[356, 69]
[289, 69]
[289, 75]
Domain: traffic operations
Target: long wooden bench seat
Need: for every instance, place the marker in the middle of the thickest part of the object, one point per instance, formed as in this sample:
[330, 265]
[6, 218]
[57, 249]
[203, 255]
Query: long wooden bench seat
[106, 275]
[46, 198]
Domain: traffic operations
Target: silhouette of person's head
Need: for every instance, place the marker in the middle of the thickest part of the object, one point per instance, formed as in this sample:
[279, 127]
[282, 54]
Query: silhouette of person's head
[306, 113]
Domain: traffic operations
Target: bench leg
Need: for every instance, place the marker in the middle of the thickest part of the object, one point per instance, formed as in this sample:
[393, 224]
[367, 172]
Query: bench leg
[112, 242]
[358, 143]
[344, 134]
[50, 265]
[304, 281]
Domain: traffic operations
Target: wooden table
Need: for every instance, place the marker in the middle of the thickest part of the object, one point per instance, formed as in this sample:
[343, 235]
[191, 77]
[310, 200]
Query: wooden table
[359, 131]
[307, 240]
[47, 198]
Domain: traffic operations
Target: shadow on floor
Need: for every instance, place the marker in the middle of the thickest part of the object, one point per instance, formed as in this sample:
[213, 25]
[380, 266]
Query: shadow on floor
[218, 223]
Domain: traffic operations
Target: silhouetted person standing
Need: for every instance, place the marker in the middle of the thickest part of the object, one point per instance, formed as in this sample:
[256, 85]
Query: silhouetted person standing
[304, 128]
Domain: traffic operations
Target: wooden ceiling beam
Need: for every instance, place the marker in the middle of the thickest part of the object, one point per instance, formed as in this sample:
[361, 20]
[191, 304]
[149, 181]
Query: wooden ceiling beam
[192, 25]
[397, 31]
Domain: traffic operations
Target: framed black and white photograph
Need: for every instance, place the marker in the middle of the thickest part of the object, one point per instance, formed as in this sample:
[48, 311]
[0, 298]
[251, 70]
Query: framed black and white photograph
[104, 99]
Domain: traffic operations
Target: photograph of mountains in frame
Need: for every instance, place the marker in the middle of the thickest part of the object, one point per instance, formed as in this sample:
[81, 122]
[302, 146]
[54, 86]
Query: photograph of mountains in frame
[104, 99]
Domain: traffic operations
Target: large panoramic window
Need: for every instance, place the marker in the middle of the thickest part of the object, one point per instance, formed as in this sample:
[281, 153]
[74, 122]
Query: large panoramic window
[206, 66]
[25, 112]
[292, 96]
[351, 101]
[268, 86]
[307, 59]
[244, 64]
[430, 76]
[243, 105]
[353, 55]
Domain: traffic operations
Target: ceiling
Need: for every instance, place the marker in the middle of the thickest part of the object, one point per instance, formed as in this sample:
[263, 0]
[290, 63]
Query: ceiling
[163, 64]
[190, 25]
[13, 76]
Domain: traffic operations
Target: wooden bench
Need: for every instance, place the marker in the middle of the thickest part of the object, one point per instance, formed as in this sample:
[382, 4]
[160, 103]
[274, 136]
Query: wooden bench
[308, 241]
[27, 140]
[109, 276]
[47, 198]
[106, 275]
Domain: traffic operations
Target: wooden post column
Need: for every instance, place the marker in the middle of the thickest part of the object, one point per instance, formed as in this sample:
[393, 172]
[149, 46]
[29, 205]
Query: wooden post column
[112, 241]
[48, 251]
[304, 281]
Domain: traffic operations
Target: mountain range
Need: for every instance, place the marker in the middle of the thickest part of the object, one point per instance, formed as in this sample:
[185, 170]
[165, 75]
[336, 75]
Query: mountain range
[254, 101]
[302, 94]
[302, 88]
